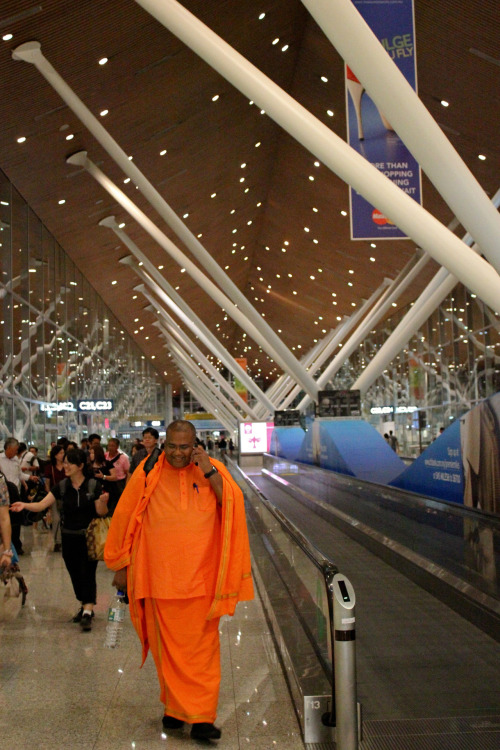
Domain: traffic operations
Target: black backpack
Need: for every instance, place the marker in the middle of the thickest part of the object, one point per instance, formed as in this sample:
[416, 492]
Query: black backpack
[63, 484]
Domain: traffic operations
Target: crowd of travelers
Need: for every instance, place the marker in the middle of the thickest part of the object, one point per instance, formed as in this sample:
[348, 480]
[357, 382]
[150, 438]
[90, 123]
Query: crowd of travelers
[61, 494]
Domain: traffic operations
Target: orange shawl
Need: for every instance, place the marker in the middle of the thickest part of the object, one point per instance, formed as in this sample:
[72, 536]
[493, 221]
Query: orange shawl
[234, 578]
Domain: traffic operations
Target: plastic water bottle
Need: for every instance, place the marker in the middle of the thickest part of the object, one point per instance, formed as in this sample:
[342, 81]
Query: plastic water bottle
[116, 616]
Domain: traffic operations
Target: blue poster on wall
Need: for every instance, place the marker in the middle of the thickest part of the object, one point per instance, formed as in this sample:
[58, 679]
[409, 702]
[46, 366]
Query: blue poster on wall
[368, 130]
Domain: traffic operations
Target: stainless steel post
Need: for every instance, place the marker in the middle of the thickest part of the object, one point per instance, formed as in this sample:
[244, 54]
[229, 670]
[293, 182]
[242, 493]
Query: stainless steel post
[344, 662]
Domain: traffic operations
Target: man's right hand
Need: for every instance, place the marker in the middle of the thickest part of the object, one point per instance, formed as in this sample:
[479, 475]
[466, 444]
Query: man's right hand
[120, 579]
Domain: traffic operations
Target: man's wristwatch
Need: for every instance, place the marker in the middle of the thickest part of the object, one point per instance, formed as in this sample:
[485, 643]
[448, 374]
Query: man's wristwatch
[210, 473]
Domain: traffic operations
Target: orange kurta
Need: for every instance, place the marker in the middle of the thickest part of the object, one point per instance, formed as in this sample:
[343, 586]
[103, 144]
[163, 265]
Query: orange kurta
[188, 563]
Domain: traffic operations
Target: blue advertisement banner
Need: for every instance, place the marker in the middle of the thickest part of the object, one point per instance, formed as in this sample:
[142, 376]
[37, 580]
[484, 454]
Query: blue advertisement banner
[368, 130]
[438, 471]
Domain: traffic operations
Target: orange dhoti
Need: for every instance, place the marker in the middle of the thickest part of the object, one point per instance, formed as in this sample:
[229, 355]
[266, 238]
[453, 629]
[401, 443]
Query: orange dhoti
[188, 563]
[185, 648]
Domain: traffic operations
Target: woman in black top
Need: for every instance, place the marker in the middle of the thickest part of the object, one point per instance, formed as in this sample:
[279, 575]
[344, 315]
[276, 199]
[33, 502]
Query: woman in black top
[78, 504]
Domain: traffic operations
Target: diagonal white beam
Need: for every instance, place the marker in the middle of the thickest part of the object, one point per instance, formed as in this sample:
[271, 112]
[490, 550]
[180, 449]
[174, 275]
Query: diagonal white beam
[359, 47]
[396, 289]
[433, 295]
[224, 357]
[204, 396]
[155, 280]
[263, 333]
[167, 325]
[81, 159]
[217, 395]
[199, 329]
[414, 220]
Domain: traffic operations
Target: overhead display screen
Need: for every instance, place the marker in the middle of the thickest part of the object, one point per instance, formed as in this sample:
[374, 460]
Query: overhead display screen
[255, 437]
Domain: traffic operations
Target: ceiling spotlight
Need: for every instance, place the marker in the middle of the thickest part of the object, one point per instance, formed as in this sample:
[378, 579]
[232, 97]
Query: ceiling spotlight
[7, 37]
[482, 157]
[103, 61]
[444, 103]
[21, 139]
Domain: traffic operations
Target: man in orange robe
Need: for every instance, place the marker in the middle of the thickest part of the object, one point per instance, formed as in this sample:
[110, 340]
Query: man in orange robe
[178, 542]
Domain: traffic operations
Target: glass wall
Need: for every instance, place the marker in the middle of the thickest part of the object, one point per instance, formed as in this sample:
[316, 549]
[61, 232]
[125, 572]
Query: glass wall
[451, 364]
[59, 342]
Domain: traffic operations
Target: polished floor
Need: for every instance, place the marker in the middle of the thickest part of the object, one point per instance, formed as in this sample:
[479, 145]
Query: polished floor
[61, 688]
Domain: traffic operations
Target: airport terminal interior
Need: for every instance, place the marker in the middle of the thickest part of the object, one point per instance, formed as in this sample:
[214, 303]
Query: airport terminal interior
[277, 220]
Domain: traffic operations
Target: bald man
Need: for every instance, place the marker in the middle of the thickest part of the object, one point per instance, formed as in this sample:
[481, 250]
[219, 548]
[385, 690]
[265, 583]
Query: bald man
[178, 542]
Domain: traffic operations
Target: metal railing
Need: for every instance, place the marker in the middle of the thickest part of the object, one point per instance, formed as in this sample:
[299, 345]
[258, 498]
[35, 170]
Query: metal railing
[310, 606]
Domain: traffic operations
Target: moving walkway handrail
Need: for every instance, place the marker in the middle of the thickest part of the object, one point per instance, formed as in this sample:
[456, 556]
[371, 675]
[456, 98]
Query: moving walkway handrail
[403, 496]
[321, 562]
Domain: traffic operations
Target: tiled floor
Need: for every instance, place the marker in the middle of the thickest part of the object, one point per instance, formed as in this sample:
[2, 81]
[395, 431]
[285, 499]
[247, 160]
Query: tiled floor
[61, 689]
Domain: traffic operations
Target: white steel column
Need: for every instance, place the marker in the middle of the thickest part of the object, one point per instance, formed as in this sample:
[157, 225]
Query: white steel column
[436, 291]
[223, 356]
[205, 397]
[168, 326]
[264, 334]
[386, 85]
[422, 309]
[284, 382]
[414, 220]
[218, 396]
[400, 284]
[81, 159]
[182, 310]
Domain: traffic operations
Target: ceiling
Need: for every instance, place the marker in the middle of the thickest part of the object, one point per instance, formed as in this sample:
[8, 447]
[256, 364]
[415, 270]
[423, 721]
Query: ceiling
[160, 95]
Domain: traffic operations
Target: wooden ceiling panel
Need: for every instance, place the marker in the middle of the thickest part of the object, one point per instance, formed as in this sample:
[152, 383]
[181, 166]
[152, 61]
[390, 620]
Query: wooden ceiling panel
[160, 96]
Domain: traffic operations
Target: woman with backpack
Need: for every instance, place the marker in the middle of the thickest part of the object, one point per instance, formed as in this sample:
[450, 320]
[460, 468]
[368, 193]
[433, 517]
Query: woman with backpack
[79, 499]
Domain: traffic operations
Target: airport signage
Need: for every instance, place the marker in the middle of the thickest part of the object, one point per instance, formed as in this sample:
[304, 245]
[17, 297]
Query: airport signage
[393, 410]
[101, 405]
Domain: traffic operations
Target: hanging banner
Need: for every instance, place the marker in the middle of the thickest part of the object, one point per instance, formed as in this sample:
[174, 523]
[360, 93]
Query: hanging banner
[416, 379]
[238, 385]
[368, 130]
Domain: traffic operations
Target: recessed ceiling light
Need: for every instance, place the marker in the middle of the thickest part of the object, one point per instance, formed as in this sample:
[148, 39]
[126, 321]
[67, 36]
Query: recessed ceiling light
[162, 153]
[284, 48]
[70, 137]
[214, 98]
[324, 79]
[444, 103]
[120, 226]
[7, 37]
[262, 15]
[185, 216]
[257, 144]
[275, 41]
[21, 139]
[213, 195]
[329, 112]
[344, 213]
[126, 180]
[114, 282]
[372, 244]
[104, 112]
[103, 61]
[372, 260]
[482, 157]
[311, 178]
[61, 201]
